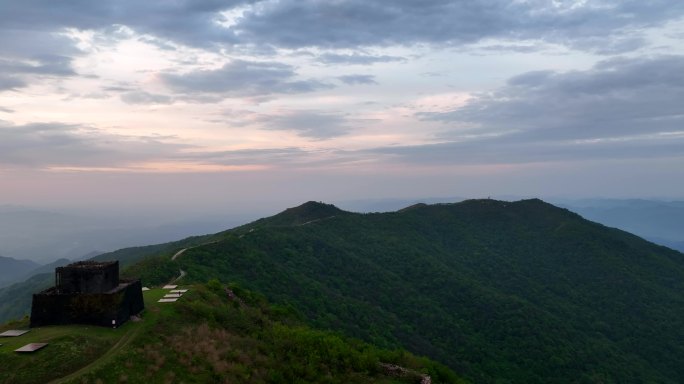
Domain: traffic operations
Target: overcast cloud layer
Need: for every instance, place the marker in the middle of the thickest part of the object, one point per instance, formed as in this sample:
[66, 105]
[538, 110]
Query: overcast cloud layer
[386, 98]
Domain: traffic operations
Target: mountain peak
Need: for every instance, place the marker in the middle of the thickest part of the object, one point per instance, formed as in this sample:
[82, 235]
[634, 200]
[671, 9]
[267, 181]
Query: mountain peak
[316, 205]
[412, 207]
[308, 212]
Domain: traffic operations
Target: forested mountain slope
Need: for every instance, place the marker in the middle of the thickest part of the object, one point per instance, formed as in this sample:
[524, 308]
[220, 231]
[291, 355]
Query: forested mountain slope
[213, 334]
[15, 299]
[518, 292]
[657, 221]
[12, 269]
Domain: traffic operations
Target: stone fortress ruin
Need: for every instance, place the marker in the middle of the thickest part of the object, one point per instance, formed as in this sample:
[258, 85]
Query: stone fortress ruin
[88, 292]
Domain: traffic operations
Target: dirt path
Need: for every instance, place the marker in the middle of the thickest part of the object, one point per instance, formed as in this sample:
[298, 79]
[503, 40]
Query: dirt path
[182, 251]
[126, 339]
[182, 275]
[178, 253]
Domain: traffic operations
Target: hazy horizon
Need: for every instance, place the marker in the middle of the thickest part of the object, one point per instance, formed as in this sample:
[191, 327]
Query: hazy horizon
[159, 214]
[48, 233]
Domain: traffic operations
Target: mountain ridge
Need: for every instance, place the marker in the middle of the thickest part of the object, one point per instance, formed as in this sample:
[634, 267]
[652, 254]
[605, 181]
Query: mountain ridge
[308, 212]
[528, 264]
[500, 291]
[215, 333]
[12, 269]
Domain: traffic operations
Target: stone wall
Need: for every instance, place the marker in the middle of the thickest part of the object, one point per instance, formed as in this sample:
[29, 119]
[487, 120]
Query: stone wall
[87, 277]
[51, 307]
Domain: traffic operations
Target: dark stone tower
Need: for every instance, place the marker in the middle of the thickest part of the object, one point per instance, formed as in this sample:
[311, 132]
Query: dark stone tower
[87, 277]
[88, 292]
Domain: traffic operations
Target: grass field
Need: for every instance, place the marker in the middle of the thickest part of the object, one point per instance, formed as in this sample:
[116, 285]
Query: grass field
[72, 350]
[205, 337]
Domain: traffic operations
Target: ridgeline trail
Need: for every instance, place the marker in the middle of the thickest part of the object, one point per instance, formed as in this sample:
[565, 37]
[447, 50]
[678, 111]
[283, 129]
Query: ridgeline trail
[130, 335]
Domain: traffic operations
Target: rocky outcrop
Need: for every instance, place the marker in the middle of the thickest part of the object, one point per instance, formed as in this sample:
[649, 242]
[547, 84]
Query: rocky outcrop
[394, 370]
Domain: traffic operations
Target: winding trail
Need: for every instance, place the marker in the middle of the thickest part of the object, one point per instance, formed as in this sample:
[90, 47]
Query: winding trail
[315, 220]
[174, 257]
[182, 275]
[126, 339]
[182, 251]
[129, 335]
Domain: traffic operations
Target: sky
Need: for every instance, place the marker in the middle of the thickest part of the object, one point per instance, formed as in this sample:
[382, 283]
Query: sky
[247, 104]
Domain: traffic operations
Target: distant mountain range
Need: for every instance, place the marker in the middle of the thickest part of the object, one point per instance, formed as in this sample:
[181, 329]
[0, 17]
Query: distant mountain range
[14, 270]
[44, 236]
[659, 221]
[656, 220]
[517, 292]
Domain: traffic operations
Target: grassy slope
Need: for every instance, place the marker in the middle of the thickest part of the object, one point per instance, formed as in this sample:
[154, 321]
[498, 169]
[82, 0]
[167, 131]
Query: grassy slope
[520, 292]
[516, 292]
[203, 338]
[70, 347]
[15, 300]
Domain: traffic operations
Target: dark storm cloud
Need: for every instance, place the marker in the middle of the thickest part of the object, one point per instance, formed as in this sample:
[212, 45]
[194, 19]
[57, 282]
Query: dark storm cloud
[242, 78]
[357, 59]
[507, 150]
[44, 145]
[354, 23]
[33, 41]
[621, 108]
[520, 48]
[600, 26]
[593, 25]
[57, 144]
[142, 97]
[311, 124]
[608, 46]
[119, 88]
[266, 156]
[32, 30]
[191, 22]
[39, 65]
[287, 157]
[357, 79]
[16, 71]
[10, 82]
[618, 97]
[30, 45]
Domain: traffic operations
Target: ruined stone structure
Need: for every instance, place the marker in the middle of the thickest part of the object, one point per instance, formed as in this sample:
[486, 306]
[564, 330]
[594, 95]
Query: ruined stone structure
[88, 292]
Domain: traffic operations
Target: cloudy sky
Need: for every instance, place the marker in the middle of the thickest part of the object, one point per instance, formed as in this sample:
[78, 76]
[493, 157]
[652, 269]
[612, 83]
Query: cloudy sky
[238, 103]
